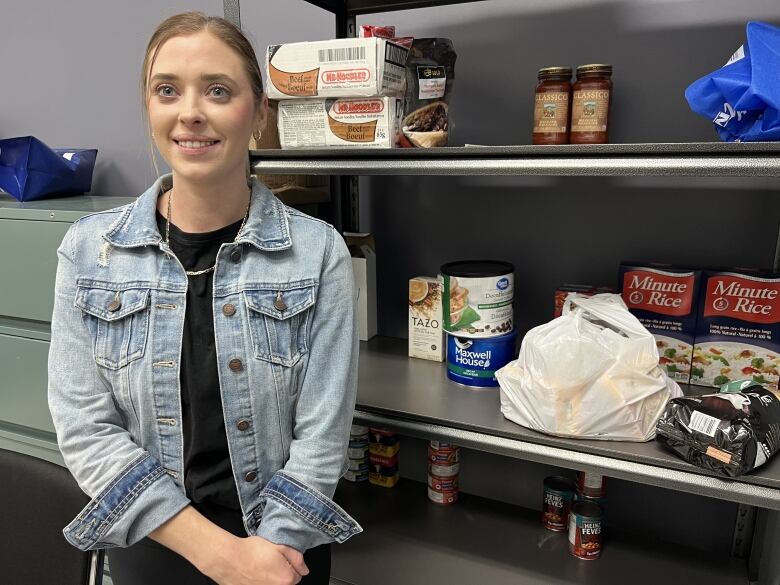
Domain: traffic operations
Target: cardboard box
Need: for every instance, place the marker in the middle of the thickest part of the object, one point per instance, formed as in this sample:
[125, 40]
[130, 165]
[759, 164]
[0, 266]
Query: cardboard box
[336, 68]
[340, 123]
[664, 298]
[363, 250]
[738, 329]
[426, 336]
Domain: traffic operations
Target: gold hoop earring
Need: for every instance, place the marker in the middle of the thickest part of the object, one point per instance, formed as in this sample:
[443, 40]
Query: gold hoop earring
[257, 134]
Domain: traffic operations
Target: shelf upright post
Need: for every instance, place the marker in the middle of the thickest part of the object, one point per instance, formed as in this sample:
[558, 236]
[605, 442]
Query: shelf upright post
[232, 10]
[346, 210]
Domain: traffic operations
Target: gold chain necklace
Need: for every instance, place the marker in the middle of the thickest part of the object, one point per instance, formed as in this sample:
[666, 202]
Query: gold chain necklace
[168, 233]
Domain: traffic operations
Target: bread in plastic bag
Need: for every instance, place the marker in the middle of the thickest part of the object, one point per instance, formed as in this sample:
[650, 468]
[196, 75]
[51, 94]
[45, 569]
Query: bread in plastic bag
[592, 373]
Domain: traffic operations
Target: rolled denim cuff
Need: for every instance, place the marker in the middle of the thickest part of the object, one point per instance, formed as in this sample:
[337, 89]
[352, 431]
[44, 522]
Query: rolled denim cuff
[298, 515]
[137, 501]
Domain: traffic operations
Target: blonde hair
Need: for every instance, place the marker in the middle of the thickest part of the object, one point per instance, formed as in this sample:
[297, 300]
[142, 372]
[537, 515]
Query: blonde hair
[189, 23]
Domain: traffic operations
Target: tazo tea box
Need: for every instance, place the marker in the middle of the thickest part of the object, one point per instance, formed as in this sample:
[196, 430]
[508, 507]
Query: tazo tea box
[664, 299]
[361, 122]
[426, 337]
[738, 331]
[337, 68]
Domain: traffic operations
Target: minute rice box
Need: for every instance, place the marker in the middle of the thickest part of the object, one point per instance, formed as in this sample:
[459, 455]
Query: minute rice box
[337, 68]
[738, 330]
[664, 299]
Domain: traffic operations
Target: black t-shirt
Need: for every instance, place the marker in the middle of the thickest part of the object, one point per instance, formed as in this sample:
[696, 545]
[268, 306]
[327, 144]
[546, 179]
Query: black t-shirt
[208, 475]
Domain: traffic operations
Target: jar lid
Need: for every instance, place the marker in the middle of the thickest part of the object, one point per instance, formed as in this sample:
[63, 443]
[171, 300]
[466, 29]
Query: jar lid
[549, 71]
[594, 68]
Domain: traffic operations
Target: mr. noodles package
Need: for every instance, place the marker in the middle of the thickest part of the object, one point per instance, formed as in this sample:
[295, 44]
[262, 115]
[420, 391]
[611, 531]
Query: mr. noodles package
[730, 433]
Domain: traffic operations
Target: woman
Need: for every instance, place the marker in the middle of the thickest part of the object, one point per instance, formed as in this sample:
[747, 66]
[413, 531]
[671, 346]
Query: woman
[202, 368]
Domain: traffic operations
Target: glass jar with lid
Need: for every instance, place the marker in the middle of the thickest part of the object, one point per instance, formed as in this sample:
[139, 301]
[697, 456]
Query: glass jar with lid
[591, 99]
[551, 106]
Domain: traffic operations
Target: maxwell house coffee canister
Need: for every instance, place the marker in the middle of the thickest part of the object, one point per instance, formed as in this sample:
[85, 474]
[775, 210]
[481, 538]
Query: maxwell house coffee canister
[474, 362]
[477, 298]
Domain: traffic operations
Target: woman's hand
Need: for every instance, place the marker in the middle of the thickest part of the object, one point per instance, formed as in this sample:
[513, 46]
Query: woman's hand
[256, 561]
[228, 559]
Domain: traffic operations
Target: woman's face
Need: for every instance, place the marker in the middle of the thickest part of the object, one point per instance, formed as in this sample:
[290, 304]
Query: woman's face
[201, 108]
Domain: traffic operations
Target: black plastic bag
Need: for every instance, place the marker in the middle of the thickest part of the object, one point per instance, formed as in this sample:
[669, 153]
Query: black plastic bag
[730, 433]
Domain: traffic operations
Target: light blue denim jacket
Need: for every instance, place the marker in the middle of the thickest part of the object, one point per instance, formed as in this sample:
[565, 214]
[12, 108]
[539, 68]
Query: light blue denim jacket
[287, 363]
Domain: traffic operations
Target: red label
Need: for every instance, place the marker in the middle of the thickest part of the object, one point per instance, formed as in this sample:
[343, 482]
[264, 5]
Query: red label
[361, 107]
[659, 292]
[346, 75]
[739, 297]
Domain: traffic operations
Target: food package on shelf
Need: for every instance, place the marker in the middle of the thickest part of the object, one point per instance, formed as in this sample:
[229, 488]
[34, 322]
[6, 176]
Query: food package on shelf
[336, 68]
[592, 373]
[291, 189]
[362, 248]
[345, 122]
[730, 433]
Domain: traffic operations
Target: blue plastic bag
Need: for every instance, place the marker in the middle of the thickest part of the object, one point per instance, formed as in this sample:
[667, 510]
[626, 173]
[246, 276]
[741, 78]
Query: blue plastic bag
[742, 98]
[30, 170]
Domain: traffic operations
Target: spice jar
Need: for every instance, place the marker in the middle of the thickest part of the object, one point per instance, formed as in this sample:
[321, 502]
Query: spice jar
[551, 106]
[591, 97]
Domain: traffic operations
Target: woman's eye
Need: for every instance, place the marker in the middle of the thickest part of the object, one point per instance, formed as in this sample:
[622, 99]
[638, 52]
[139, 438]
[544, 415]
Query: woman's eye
[165, 91]
[220, 91]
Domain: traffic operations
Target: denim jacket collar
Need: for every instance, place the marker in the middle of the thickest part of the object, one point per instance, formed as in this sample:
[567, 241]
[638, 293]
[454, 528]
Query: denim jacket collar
[266, 227]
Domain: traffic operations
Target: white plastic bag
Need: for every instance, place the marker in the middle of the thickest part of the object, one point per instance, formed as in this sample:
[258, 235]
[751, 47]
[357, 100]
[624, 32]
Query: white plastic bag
[592, 373]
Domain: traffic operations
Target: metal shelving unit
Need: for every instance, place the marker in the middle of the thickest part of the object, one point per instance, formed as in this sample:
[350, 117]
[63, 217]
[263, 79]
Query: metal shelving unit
[414, 397]
[697, 159]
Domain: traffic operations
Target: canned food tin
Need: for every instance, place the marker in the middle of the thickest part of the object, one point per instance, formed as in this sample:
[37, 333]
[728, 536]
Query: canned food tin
[357, 453]
[441, 445]
[473, 362]
[580, 497]
[443, 484]
[558, 496]
[592, 485]
[585, 530]
[444, 470]
[443, 456]
[358, 430]
[356, 476]
[445, 498]
[357, 465]
[477, 298]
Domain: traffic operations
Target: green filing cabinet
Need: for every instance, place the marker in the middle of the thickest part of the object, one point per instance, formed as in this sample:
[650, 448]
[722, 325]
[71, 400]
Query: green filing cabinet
[29, 236]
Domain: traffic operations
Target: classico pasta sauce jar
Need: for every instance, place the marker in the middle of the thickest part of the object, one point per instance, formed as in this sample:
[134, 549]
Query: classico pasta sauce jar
[591, 99]
[552, 103]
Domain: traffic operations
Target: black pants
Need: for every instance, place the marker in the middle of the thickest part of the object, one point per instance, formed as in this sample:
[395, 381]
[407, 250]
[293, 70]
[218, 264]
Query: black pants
[150, 563]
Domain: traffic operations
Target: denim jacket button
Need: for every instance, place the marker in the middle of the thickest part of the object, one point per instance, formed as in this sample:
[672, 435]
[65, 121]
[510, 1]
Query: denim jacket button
[242, 425]
[114, 305]
[251, 476]
[229, 309]
[235, 365]
[235, 255]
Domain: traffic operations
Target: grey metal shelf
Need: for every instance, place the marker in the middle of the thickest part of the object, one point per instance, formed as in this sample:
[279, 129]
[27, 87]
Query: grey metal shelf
[483, 541]
[698, 159]
[65, 209]
[414, 397]
[356, 7]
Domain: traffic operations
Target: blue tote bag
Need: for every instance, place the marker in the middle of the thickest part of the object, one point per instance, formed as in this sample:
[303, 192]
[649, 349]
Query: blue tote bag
[742, 98]
[30, 170]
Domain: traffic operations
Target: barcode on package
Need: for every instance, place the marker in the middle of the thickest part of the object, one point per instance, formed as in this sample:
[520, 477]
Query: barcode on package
[704, 423]
[395, 54]
[342, 54]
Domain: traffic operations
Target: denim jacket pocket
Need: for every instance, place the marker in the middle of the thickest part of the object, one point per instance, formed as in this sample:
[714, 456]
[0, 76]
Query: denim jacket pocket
[278, 320]
[118, 319]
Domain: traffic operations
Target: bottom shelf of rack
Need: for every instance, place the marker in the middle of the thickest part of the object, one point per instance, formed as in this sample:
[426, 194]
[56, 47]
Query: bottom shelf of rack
[408, 539]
